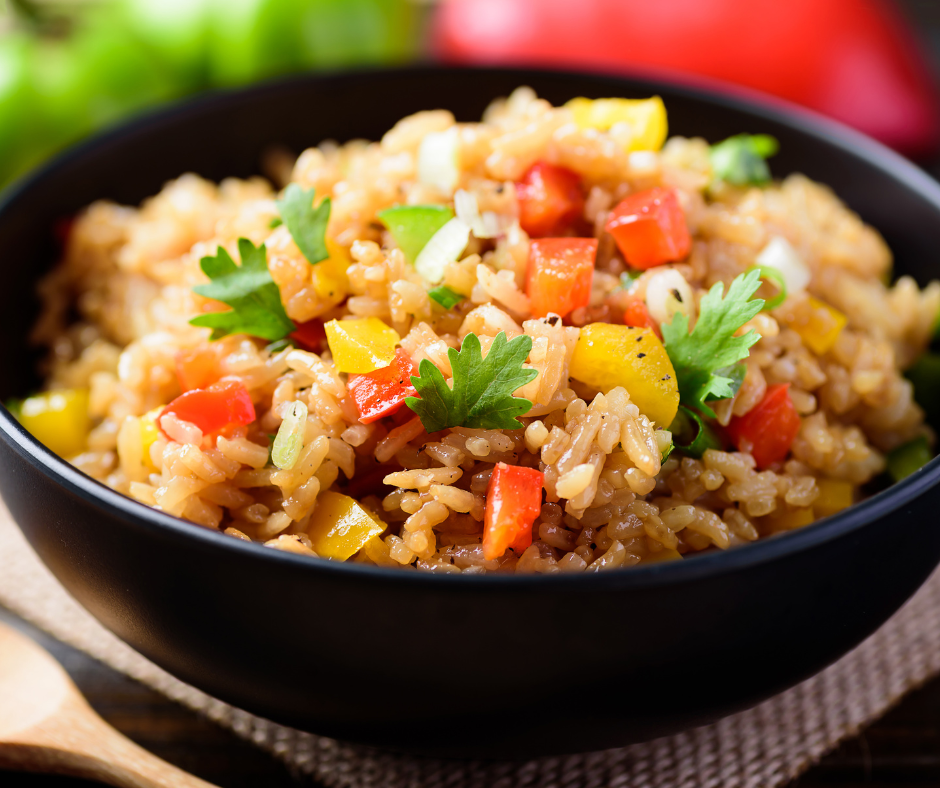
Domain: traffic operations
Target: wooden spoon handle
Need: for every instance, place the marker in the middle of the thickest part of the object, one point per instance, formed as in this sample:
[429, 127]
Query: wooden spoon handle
[81, 744]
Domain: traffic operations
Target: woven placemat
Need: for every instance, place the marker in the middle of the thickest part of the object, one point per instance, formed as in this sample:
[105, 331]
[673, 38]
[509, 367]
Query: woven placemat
[760, 748]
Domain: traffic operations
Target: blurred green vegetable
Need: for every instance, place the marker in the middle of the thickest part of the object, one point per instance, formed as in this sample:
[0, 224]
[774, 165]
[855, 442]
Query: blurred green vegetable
[17, 105]
[908, 457]
[741, 159]
[924, 374]
[68, 68]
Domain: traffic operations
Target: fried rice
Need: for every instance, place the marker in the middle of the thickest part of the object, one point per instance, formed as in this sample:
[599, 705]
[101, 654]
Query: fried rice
[612, 494]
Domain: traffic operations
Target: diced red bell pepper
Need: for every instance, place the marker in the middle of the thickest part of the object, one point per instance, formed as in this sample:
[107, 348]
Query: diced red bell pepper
[310, 335]
[650, 229]
[551, 199]
[559, 274]
[197, 368]
[767, 430]
[637, 315]
[513, 501]
[214, 408]
[383, 391]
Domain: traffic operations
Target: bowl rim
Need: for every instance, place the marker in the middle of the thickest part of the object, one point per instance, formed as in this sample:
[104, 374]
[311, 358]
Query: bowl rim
[159, 524]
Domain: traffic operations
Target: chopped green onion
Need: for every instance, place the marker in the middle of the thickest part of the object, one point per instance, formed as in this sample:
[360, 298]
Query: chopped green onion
[445, 296]
[780, 254]
[412, 226]
[739, 160]
[669, 450]
[445, 246]
[773, 275]
[277, 221]
[909, 457]
[691, 435]
[290, 437]
[483, 225]
[925, 376]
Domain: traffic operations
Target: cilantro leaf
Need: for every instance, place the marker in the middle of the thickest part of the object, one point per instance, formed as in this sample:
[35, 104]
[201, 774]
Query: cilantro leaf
[250, 291]
[482, 396]
[701, 358]
[740, 159]
[445, 296]
[307, 224]
[735, 373]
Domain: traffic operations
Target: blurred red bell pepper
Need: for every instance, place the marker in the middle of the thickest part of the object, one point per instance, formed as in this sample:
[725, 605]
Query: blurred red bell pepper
[559, 274]
[768, 429]
[637, 315]
[211, 409]
[310, 335]
[550, 200]
[854, 60]
[513, 501]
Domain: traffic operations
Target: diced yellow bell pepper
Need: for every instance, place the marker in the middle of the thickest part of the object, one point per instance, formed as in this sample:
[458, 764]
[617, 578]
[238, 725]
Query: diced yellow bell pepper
[834, 496]
[58, 419]
[818, 324]
[340, 527]
[663, 555]
[149, 433]
[361, 345]
[329, 276]
[645, 117]
[790, 519]
[608, 355]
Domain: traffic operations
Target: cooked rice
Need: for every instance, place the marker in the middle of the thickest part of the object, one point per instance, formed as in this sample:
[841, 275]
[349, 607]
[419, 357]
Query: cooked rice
[609, 499]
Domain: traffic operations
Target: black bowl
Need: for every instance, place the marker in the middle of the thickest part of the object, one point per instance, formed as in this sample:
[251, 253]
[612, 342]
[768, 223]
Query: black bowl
[470, 666]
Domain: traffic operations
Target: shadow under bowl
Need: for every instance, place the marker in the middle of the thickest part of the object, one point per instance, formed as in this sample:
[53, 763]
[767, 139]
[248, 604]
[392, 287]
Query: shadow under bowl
[487, 666]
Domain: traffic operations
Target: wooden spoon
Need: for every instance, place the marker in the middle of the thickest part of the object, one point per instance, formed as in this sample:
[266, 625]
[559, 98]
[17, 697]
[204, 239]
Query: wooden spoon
[47, 726]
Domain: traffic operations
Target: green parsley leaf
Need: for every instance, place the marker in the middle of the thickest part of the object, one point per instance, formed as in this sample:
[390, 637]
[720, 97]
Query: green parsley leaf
[250, 291]
[445, 296]
[307, 224]
[739, 160]
[700, 358]
[482, 396]
[735, 373]
[277, 221]
[412, 226]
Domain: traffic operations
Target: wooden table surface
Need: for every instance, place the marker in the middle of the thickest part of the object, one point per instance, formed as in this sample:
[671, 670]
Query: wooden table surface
[901, 749]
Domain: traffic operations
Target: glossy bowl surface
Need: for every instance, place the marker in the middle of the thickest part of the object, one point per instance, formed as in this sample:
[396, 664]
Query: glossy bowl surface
[469, 666]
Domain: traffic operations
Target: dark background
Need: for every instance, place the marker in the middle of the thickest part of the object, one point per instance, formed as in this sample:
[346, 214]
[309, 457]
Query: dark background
[901, 749]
